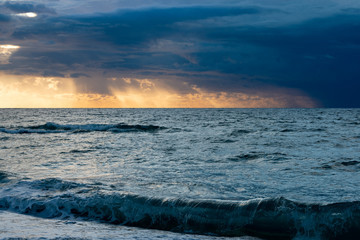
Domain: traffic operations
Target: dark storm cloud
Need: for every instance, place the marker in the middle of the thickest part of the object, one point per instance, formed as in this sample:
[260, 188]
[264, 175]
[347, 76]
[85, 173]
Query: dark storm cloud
[27, 7]
[4, 18]
[128, 27]
[110, 41]
[78, 75]
[52, 74]
[319, 56]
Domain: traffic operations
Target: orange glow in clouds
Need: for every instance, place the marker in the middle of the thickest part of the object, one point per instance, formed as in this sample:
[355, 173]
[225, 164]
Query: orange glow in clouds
[33, 92]
[51, 92]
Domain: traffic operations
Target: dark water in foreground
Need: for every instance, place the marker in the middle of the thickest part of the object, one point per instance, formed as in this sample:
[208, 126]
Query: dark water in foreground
[267, 173]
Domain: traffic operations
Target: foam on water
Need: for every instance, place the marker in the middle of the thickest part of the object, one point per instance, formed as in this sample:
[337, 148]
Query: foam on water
[33, 228]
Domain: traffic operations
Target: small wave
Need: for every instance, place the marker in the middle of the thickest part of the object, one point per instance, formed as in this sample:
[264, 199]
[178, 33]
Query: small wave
[59, 128]
[350, 166]
[221, 140]
[246, 157]
[54, 184]
[274, 157]
[78, 151]
[276, 218]
[350, 163]
[50, 185]
[287, 130]
[3, 176]
[240, 132]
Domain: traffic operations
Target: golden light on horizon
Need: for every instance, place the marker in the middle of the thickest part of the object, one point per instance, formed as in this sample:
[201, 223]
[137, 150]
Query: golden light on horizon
[35, 91]
[51, 92]
[151, 94]
[204, 99]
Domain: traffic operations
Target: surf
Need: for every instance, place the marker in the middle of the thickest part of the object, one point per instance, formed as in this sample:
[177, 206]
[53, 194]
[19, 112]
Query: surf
[270, 218]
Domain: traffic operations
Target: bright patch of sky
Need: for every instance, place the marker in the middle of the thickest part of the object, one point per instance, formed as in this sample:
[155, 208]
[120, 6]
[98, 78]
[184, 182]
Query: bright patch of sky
[239, 47]
[6, 51]
[28, 14]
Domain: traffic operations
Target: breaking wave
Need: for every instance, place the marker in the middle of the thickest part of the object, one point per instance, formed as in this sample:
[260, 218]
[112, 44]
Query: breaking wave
[59, 128]
[273, 218]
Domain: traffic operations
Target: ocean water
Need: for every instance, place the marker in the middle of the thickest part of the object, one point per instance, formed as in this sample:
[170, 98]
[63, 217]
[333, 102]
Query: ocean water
[180, 173]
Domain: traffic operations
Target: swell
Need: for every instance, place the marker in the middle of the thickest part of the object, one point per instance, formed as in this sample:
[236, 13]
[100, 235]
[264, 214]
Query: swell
[274, 218]
[60, 128]
[3, 176]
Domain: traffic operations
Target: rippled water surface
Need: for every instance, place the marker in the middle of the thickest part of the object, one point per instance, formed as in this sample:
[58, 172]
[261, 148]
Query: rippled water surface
[178, 163]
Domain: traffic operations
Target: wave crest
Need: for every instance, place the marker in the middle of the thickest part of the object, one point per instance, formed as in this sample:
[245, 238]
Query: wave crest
[59, 128]
[276, 218]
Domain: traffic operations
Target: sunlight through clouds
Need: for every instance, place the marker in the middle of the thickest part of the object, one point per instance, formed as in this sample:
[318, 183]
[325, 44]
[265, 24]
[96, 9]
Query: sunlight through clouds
[138, 93]
[6, 51]
[229, 53]
[28, 14]
[48, 92]
[35, 91]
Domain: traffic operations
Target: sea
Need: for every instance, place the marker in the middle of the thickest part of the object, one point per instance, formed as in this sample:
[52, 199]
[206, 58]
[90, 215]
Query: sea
[180, 174]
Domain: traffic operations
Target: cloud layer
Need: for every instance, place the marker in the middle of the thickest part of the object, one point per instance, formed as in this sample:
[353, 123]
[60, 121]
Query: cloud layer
[259, 49]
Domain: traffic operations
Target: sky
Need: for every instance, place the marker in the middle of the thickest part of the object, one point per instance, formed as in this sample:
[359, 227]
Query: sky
[167, 53]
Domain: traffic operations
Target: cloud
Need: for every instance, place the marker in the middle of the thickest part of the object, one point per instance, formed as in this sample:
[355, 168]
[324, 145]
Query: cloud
[4, 18]
[27, 7]
[6, 51]
[318, 56]
[78, 75]
[113, 41]
[224, 49]
[157, 94]
[38, 91]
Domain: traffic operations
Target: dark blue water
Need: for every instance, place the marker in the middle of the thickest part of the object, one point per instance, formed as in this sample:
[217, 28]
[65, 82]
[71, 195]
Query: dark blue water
[268, 173]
